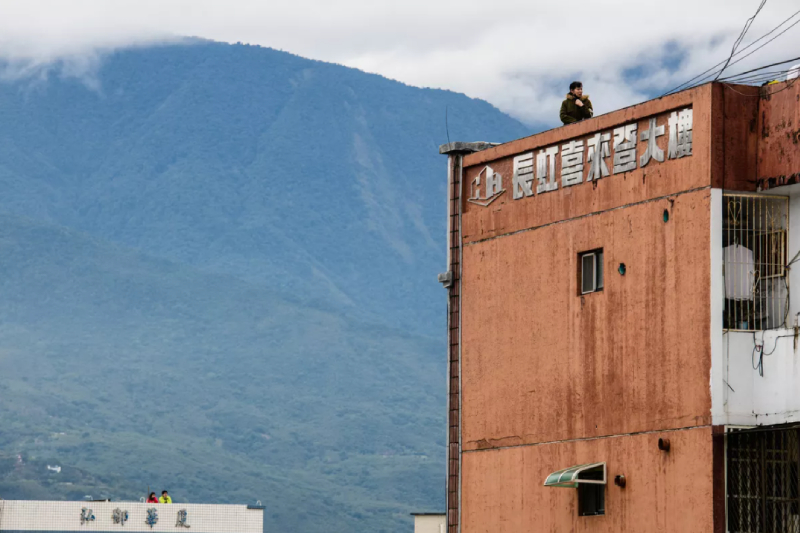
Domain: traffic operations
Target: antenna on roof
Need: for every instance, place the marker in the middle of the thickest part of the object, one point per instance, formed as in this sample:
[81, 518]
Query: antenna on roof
[446, 126]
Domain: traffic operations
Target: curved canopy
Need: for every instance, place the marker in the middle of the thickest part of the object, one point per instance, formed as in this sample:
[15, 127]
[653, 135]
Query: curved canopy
[594, 473]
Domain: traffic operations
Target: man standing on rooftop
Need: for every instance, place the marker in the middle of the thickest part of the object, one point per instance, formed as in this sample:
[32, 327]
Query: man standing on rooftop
[576, 106]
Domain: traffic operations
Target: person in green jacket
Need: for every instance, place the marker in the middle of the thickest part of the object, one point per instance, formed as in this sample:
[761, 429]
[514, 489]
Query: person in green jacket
[164, 497]
[576, 106]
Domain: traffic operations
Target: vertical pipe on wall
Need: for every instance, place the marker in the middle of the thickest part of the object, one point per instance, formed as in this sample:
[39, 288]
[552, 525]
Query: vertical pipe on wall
[460, 272]
[455, 178]
[454, 343]
[449, 374]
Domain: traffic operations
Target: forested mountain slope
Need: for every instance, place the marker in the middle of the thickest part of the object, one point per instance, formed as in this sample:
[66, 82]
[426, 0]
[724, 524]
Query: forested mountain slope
[218, 276]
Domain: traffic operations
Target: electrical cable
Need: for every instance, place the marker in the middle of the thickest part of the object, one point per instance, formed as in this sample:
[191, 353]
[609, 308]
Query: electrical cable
[795, 258]
[738, 41]
[760, 366]
[762, 352]
[763, 67]
[755, 82]
[754, 51]
[761, 72]
[788, 86]
[751, 79]
[681, 86]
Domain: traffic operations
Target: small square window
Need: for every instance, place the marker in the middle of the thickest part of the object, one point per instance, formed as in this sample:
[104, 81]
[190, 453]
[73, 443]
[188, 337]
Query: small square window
[591, 499]
[591, 273]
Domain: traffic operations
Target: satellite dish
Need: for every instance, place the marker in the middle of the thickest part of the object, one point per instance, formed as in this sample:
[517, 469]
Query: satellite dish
[794, 73]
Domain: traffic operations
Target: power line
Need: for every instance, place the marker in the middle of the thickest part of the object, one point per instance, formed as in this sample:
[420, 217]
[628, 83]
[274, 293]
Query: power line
[681, 86]
[788, 86]
[741, 36]
[756, 73]
[737, 53]
[765, 66]
[766, 43]
[754, 78]
[754, 51]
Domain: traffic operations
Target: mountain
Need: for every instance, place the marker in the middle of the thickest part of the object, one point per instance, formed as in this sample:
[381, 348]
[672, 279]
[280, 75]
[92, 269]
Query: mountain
[306, 176]
[219, 277]
[153, 373]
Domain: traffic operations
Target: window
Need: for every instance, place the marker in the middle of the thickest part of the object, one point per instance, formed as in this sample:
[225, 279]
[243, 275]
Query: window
[763, 489]
[590, 480]
[754, 255]
[591, 271]
[591, 500]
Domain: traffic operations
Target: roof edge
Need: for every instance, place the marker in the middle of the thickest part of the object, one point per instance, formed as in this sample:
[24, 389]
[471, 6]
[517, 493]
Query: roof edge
[464, 147]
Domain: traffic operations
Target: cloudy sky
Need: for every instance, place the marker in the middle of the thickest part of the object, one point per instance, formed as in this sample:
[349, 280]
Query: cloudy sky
[518, 54]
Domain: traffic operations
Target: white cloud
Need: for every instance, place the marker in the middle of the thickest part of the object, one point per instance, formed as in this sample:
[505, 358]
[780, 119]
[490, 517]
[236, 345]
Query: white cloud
[517, 54]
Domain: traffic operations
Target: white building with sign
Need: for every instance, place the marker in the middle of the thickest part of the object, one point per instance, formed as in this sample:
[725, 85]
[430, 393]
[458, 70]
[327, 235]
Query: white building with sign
[23, 516]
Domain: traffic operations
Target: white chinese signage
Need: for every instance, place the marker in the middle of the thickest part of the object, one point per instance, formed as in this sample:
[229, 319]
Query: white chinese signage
[587, 161]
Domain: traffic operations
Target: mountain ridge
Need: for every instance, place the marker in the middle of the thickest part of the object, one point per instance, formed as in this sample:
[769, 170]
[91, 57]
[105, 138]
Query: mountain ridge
[292, 127]
[219, 275]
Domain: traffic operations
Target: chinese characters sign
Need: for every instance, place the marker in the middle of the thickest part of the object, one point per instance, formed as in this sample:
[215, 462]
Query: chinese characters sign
[119, 516]
[182, 518]
[152, 517]
[86, 516]
[588, 160]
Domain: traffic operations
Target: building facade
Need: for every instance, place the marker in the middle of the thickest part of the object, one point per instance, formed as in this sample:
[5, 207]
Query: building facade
[622, 331]
[18, 516]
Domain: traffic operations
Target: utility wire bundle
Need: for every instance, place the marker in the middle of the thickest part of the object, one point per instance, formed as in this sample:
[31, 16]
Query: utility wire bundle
[759, 75]
[748, 77]
[741, 38]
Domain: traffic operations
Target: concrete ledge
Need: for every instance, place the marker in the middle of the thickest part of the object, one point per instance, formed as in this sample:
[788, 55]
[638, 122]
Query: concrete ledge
[461, 147]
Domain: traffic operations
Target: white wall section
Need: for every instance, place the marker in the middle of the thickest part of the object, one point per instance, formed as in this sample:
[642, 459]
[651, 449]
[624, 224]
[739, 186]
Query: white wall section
[32, 515]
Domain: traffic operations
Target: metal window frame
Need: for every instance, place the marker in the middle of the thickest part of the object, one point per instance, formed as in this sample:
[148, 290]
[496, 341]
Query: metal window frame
[597, 265]
[755, 312]
[582, 489]
[766, 498]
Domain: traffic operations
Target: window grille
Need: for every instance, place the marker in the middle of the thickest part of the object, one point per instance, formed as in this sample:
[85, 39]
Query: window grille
[763, 487]
[754, 240]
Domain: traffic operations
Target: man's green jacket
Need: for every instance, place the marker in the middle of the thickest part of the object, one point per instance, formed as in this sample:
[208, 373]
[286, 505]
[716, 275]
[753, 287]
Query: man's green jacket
[570, 112]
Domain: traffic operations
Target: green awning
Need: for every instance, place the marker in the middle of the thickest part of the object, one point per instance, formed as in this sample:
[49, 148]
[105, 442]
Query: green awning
[594, 473]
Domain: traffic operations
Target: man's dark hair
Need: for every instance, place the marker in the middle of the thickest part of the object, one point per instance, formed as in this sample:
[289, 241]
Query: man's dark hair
[574, 85]
[163, 492]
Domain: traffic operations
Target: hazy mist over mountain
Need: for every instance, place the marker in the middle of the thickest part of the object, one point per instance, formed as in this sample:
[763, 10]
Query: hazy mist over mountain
[219, 277]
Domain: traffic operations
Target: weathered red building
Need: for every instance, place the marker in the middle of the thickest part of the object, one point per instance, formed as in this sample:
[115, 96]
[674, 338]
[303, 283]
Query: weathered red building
[622, 333]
